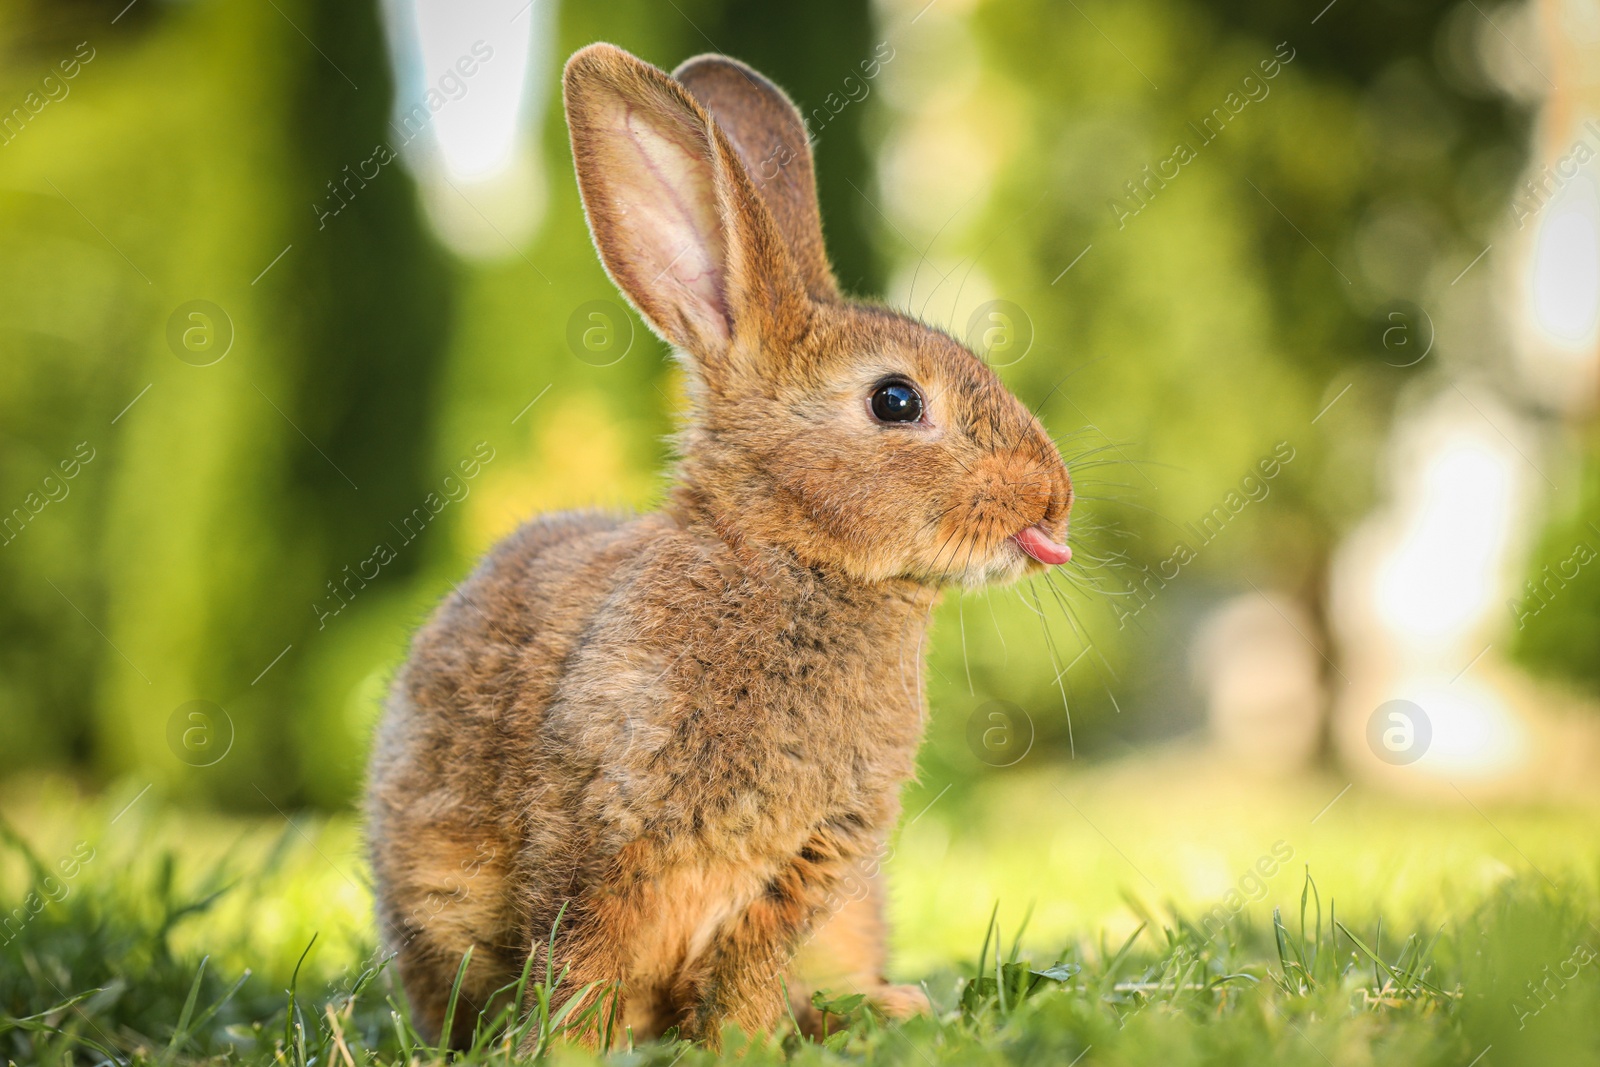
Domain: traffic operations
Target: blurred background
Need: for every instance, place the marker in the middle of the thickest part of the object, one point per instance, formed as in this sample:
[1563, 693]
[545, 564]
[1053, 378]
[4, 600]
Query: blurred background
[300, 316]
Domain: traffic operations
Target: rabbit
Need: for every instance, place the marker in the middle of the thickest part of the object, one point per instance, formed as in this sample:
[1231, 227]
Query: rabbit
[662, 754]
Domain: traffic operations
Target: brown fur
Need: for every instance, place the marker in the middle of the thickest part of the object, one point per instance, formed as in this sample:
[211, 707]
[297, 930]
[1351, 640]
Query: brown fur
[690, 728]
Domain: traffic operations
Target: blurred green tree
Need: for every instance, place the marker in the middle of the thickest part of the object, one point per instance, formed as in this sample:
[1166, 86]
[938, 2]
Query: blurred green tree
[1187, 326]
[1555, 616]
[1251, 192]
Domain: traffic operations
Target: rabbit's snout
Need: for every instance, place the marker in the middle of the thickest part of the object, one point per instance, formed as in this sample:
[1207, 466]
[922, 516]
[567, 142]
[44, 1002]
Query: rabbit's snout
[1016, 505]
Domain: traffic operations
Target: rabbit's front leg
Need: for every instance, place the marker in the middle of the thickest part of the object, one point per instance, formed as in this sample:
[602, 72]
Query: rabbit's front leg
[591, 948]
[845, 953]
[740, 977]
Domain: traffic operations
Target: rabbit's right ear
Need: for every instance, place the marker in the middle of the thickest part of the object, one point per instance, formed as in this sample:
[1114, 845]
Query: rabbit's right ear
[676, 219]
[769, 133]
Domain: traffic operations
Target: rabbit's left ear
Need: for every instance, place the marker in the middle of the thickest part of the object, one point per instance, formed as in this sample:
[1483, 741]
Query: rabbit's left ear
[681, 228]
[768, 132]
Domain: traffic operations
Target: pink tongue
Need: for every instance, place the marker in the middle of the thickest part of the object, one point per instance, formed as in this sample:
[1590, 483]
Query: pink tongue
[1034, 542]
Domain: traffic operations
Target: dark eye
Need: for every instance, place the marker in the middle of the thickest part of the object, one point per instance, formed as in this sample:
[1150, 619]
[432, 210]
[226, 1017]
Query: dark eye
[897, 401]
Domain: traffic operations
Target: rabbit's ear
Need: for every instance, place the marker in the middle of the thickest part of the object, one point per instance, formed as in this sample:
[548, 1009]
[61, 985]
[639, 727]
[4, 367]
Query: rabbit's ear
[674, 215]
[768, 132]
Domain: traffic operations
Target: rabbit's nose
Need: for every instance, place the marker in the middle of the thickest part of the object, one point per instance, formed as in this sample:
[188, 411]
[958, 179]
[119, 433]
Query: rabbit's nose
[1061, 498]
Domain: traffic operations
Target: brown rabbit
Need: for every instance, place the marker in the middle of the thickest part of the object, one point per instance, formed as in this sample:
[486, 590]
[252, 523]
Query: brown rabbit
[689, 729]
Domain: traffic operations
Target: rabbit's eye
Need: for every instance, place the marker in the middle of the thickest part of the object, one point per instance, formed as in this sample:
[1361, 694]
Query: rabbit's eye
[897, 401]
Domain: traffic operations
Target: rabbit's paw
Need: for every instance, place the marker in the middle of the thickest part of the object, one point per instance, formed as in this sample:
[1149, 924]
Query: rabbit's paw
[900, 1001]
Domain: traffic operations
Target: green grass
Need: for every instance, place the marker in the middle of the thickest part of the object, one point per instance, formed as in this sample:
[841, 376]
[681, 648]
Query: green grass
[1166, 927]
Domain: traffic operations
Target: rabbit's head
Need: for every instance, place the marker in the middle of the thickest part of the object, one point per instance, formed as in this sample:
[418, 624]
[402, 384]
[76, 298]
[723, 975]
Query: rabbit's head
[851, 435]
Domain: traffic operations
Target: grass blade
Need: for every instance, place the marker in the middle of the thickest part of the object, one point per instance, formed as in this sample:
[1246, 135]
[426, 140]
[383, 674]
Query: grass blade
[448, 1029]
[180, 1033]
[983, 953]
[293, 1026]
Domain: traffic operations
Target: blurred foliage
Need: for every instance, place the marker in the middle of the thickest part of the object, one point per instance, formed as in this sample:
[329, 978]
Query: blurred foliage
[1214, 311]
[188, 559]
[213, 518]
[1556, 614]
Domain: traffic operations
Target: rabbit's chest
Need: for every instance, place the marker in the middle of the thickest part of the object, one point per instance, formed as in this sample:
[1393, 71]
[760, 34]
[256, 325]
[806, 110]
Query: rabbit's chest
[746, 757]
[779, 747]
[739, 726]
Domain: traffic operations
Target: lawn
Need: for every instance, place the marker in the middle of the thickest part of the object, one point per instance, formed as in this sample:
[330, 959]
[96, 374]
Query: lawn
[1162, 910]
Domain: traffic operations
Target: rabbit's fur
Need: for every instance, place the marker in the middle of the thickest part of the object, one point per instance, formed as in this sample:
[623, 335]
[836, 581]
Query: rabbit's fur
[689, 729]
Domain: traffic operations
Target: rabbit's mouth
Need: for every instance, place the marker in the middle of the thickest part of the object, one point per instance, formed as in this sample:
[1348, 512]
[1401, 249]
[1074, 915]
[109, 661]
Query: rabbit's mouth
[1036, 543]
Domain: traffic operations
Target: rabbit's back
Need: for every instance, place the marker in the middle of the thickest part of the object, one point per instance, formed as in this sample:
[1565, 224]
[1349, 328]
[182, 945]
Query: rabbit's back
[444, 837]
